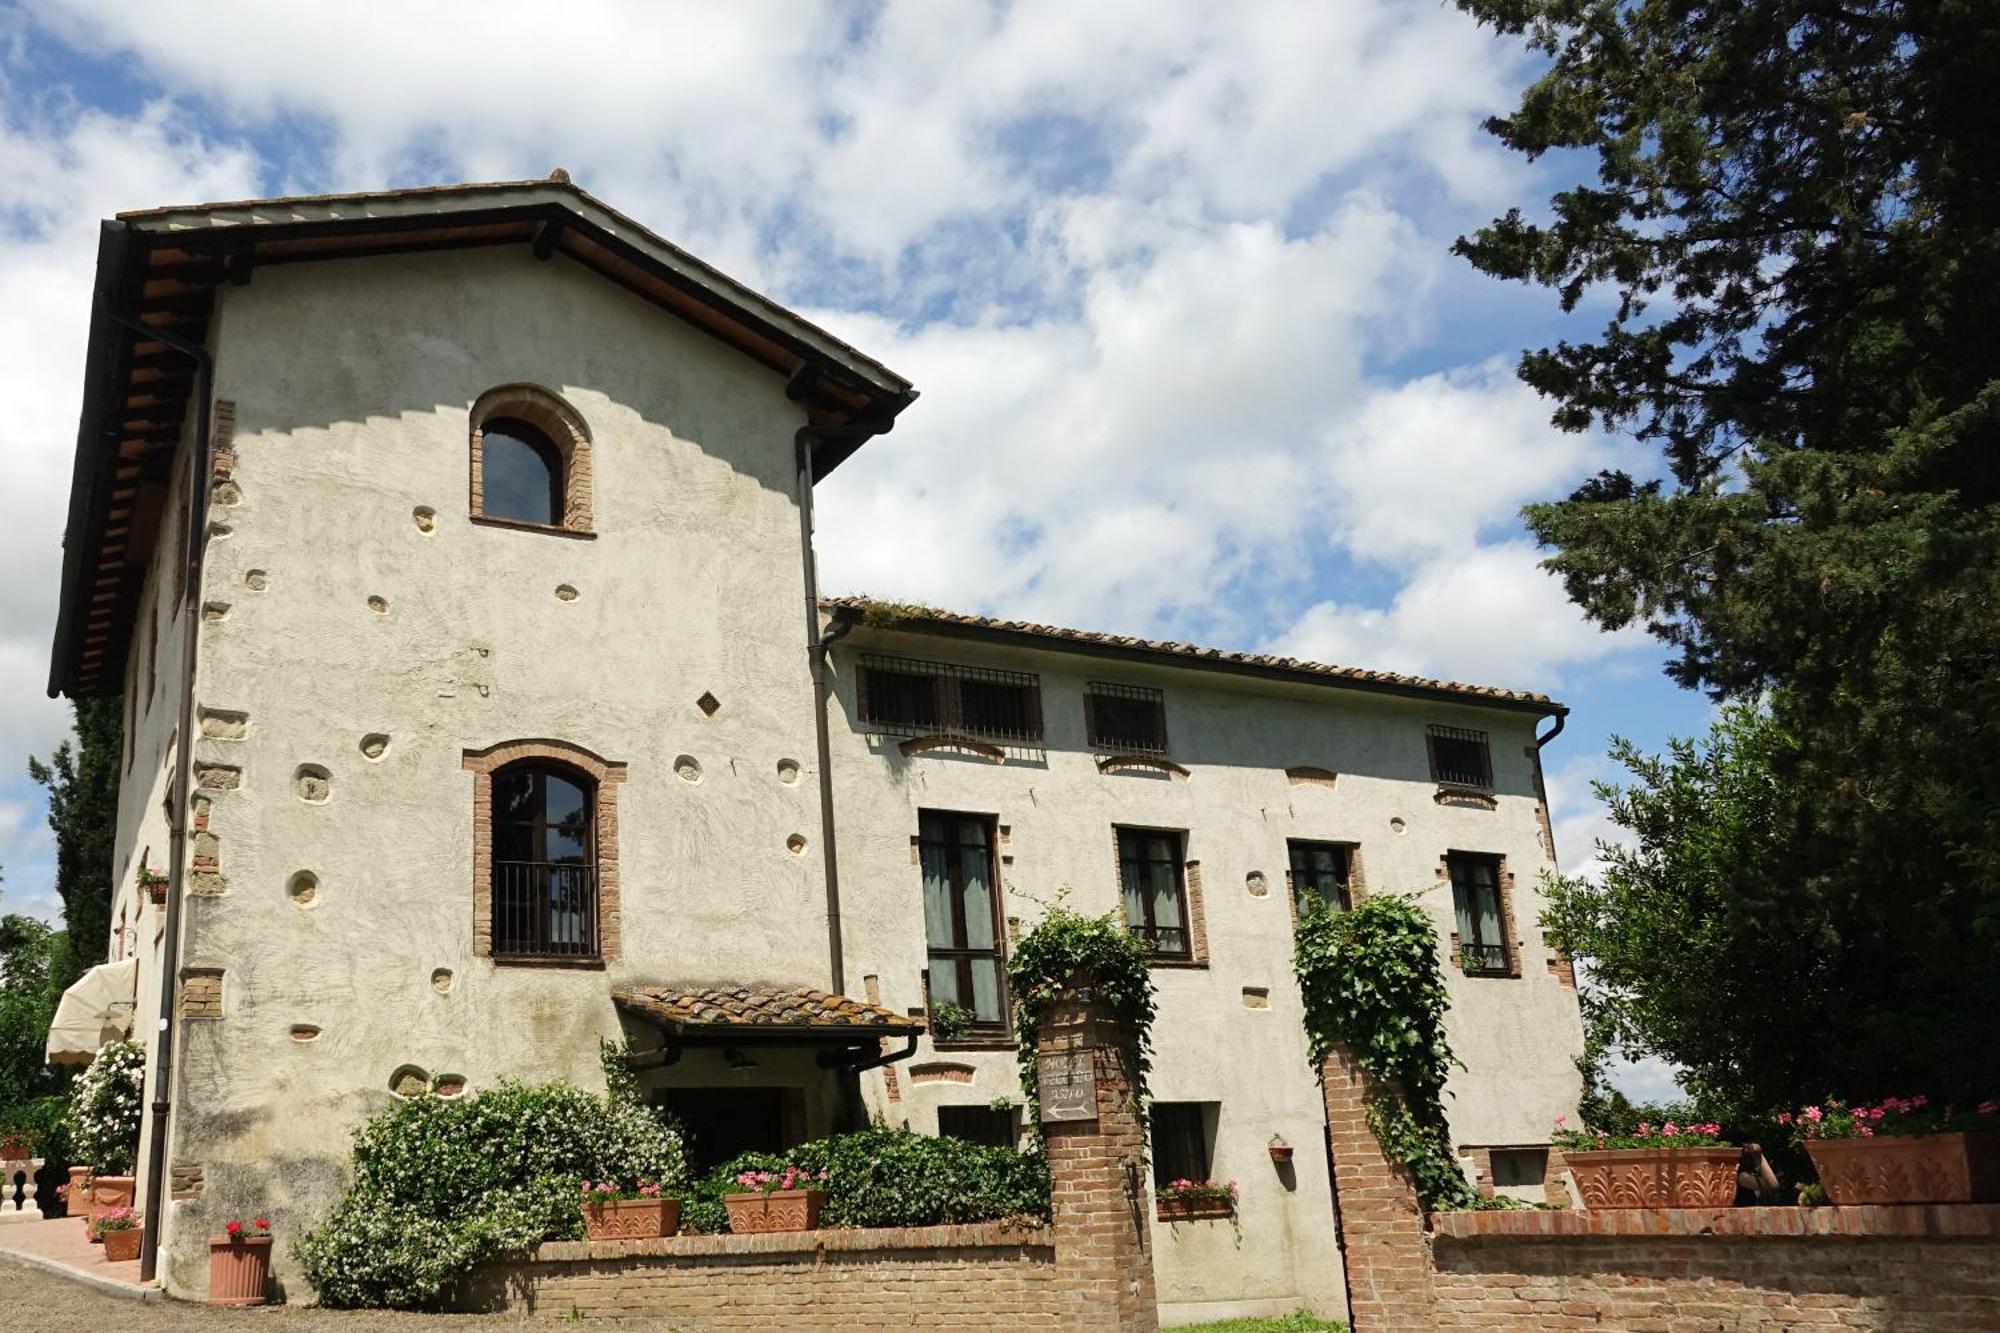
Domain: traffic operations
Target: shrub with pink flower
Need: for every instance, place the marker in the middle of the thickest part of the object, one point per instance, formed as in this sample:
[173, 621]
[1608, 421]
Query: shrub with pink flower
[1672, 1134]
[1892, 1117]
[773, 1182]
[1223, 1190]
[611, 1191]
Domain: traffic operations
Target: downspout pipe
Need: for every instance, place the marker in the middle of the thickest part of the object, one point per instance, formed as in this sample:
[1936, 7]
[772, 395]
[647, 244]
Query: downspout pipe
[1562, 718]
[817, 645]
[199, 467]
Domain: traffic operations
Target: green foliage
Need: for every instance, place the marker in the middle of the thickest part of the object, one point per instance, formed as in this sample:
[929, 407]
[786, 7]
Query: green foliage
[82, 783]
[104, 1105]
[1299, 1321]
[442, 1183]
[1371, 983]
[1067, 949]
[1796, 220]
[891, 1178]
[33, 961]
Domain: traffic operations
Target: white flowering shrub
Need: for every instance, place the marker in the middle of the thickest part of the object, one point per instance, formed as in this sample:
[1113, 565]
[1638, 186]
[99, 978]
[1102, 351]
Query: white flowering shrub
[104, 1106]
[440, 1184]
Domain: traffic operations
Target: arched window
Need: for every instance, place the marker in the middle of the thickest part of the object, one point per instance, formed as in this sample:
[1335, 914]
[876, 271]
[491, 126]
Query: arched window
[544, 861]
[523, 473]
[531, 461]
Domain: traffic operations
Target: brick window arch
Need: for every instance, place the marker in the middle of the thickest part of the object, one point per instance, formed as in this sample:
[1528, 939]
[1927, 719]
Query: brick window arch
[531, 903]
[554, 430]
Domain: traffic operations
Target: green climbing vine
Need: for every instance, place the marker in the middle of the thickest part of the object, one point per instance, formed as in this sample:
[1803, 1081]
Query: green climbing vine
[1067, 945]
[1371, 983]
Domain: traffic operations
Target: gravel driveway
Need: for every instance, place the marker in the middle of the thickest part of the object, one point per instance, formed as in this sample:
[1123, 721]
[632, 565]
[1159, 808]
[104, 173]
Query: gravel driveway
[62, 1306]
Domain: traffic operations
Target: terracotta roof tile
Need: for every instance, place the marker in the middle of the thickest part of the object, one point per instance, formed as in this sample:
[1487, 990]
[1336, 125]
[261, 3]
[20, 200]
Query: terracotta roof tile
[917, 617]
[757, 1006]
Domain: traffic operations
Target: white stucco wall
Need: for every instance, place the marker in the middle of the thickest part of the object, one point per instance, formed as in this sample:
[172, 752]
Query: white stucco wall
[1518, 1037]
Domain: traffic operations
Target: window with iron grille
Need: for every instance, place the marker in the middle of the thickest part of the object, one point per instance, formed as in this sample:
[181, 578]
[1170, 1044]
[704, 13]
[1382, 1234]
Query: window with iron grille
[989, 1126]
[1461, 758]
[1152, 878]
[902, 694]
[1319, 874]
[544, 862]
[1181, 1141]
[1131, 719]
[1475, 895]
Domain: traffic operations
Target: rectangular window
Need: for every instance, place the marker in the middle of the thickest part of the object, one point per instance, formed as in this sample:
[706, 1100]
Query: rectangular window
[930, 698]
[990, 1126]
[1152, 878]
[1319, 874]
[1130, 719]
[1181, 1139]
[1460, 758]
[962, 917]
[1520, 1168]
[1475, 894]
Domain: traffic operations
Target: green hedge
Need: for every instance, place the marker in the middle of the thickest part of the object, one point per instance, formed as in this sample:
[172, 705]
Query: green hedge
[440, 1184]
[892, 1178]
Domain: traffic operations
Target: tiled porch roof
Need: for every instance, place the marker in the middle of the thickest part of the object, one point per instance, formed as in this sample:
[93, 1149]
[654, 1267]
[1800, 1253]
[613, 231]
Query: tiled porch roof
[758, 1009]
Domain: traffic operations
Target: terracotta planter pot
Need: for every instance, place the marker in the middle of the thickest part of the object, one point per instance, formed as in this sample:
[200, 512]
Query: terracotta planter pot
[632, 1219]
[104, 1193]
[238, 1270]
[1926, 1168]
[76, 1203]
[780, 1210]
[122, 1246]
[1656, 1177]
[1192, 1210]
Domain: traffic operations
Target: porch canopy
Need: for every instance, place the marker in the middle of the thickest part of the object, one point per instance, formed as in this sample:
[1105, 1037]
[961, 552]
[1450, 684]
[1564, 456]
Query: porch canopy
[849, 1032]
[97, 1008]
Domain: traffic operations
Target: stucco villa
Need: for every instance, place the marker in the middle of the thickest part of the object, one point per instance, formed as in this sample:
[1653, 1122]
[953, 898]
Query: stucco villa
[451, 550]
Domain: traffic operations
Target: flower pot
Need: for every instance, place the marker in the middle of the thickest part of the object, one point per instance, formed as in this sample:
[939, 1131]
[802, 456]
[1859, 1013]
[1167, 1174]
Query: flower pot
[104, 1193]
[122, 1246]
[76, 1200]
[632, 1219]
[238, 1270]
[1192, 1209]
[1703, 1177]
[780, 1210]
[1921, 1168]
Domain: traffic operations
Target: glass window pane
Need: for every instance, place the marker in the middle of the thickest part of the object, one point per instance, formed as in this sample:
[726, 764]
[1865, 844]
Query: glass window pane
[937, 899]
[986, 1004]
[520, 473]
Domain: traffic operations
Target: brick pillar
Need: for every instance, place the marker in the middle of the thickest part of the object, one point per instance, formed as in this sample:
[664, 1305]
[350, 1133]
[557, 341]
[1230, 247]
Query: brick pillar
[1101, 1191]
[1387, 1254]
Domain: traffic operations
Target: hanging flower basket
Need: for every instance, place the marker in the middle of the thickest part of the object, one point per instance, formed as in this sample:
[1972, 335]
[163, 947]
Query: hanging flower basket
[154, 883]
[239, 1264]
[1194, 1200]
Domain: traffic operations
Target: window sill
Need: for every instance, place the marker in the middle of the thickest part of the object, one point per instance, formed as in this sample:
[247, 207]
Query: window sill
[547, 960]
[1491, 973]
[517, 525]
[995, 1042]
[1466, 796]
[1182, 963]
[1192, 1210]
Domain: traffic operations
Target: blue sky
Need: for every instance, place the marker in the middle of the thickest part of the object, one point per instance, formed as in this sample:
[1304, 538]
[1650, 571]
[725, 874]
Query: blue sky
[1173, 278]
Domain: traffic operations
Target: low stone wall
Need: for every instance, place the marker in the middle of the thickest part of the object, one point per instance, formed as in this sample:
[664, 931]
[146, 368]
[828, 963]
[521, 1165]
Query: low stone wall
[990, 1274]
[1683, 1270]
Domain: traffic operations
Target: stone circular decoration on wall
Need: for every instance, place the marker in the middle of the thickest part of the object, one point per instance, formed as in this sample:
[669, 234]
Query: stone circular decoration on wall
[565, 593]
[304, 889]
[256, 580]
[796, 844]
[788, 772]
[687, 768]
[314, 784]
[426, 517]
[1397, 825]
[374, 745]
[1257, 885]
[379, 605]
[410, 1081]
[441, 981]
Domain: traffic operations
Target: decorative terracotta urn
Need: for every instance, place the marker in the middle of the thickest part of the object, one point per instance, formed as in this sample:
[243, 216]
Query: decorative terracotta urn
[1195, 1209]
[102, 1194]
[780, 1210]
[238, 1269]
[122, 1246]
[632, 1219]
[1926, 1168]
[1656, 1177]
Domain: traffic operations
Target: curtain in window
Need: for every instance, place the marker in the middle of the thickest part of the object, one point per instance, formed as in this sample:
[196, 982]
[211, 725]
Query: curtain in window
[958, 915]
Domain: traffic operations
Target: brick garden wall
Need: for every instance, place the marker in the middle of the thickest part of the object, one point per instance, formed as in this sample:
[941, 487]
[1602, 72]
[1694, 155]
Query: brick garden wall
[1909, 1269]
[986, 1275]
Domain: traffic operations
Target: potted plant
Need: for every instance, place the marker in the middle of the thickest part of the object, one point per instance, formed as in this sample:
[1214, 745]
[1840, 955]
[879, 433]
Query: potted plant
[239, 1263]
[786, 1200]
[119, 1231]
[18, 1144]
[103, 1121]
[1671, 1166]
[635, 1212]
[949, 1021]
[1902, 1150]
[154, 884]
[1194, 1200]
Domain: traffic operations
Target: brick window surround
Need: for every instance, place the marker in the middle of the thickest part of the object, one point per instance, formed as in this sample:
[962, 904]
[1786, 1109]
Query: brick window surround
[565, 427]
[605, 776]
[1192, 899]
[1504, 880]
